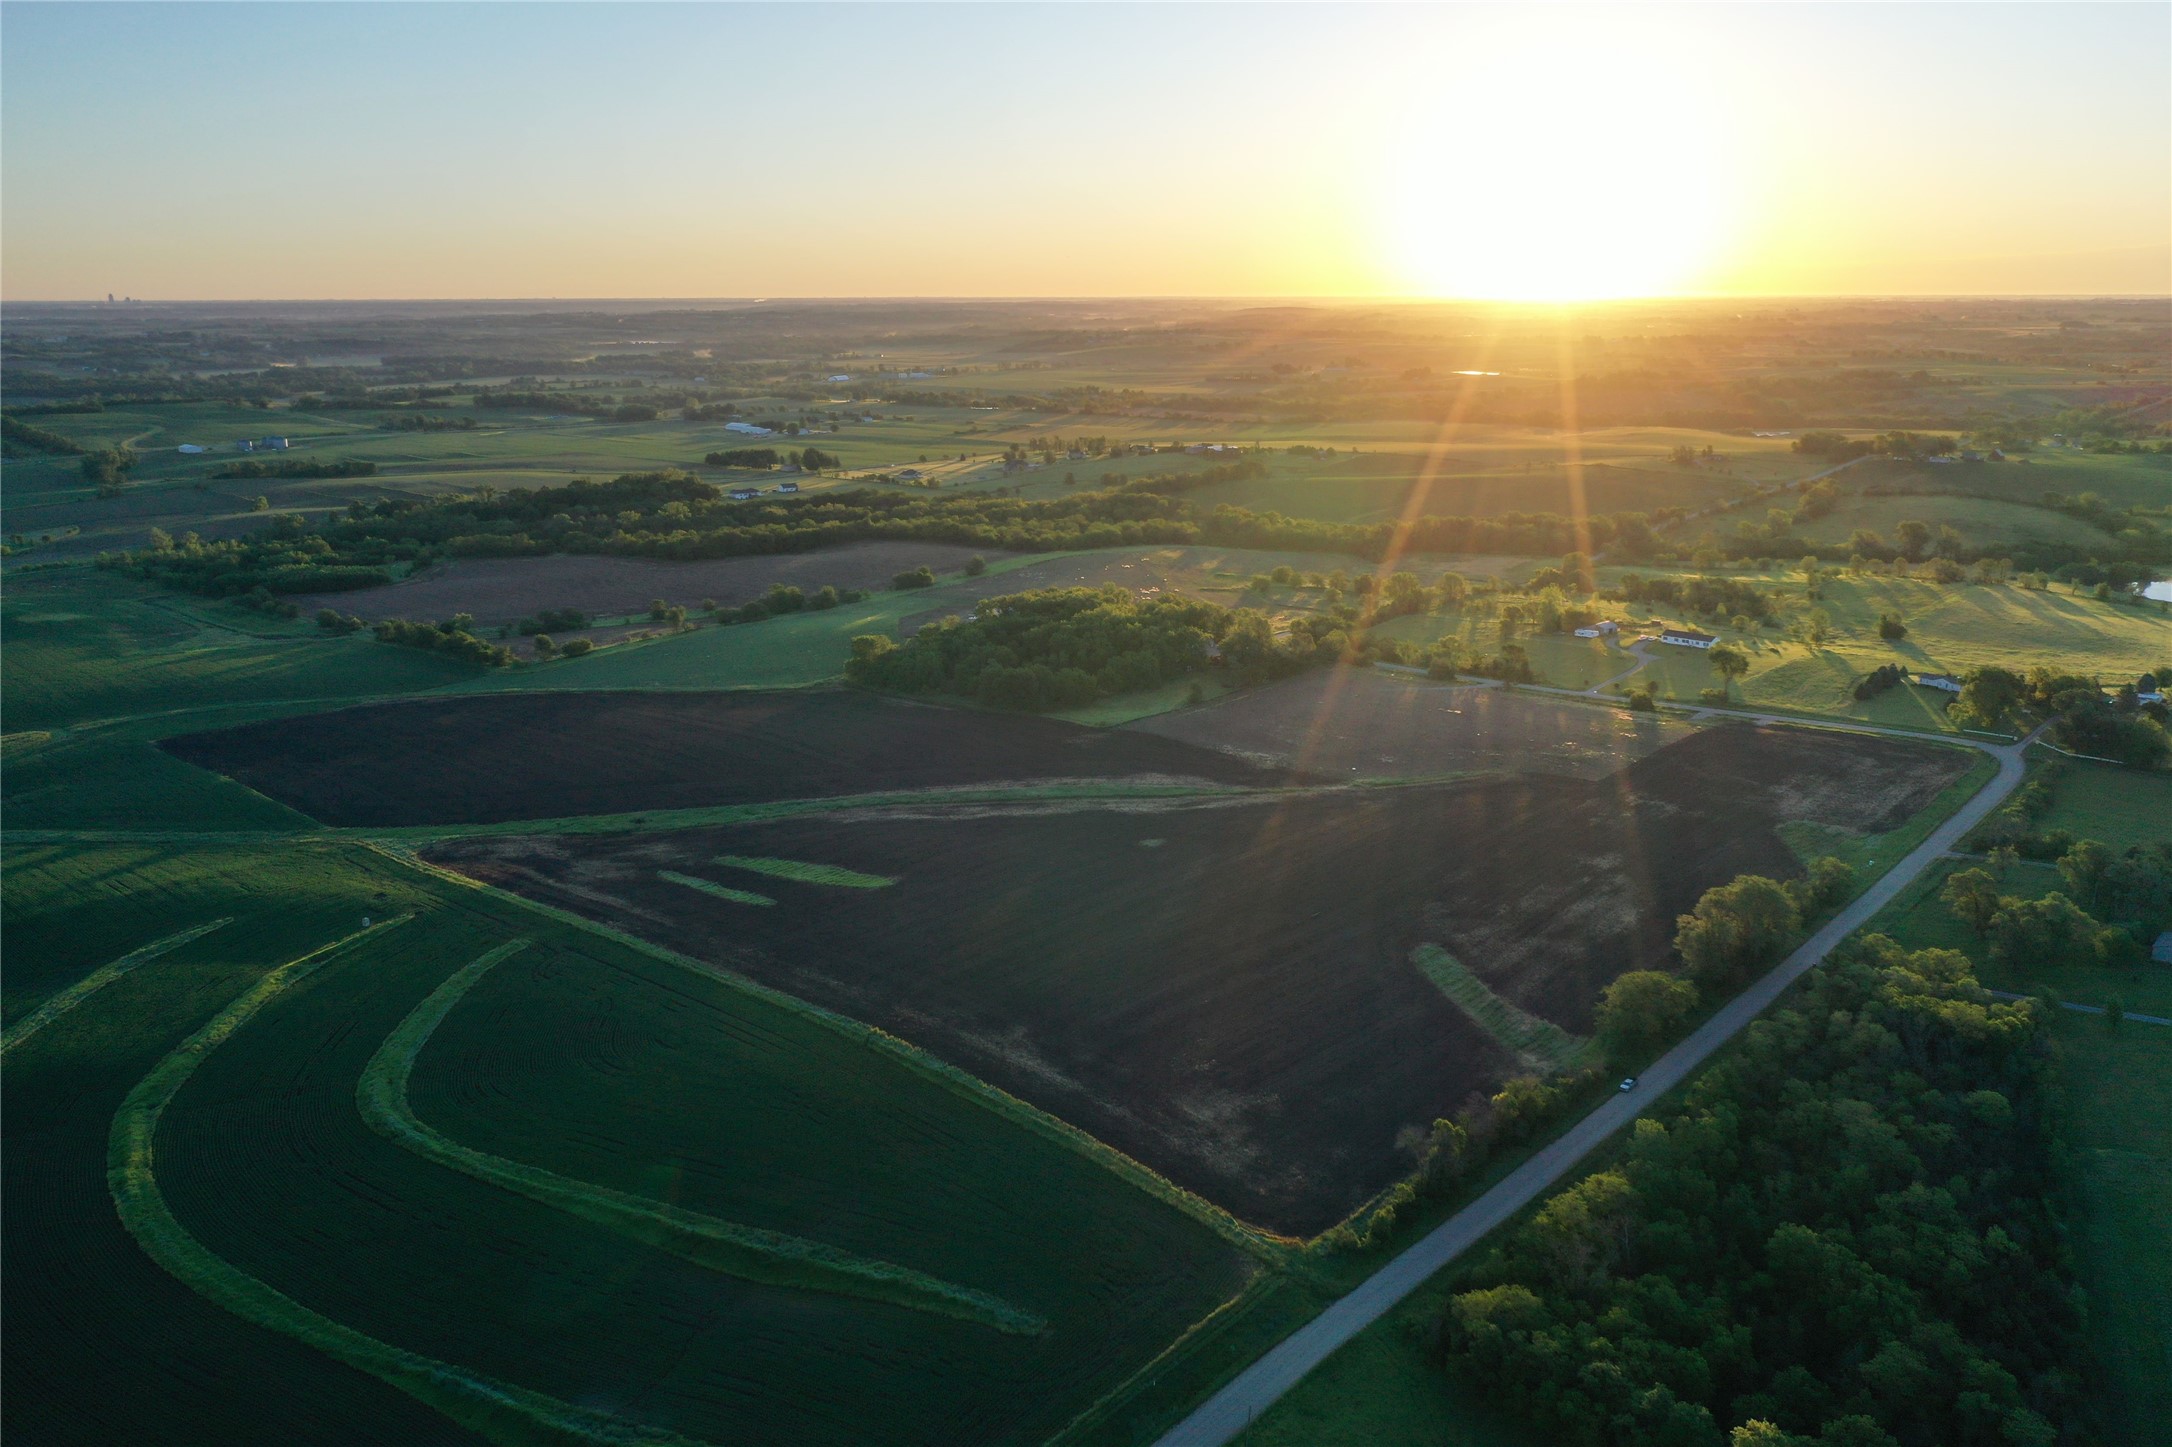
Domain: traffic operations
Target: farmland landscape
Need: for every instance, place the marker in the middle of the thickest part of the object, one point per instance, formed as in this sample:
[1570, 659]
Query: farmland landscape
[1274, 804]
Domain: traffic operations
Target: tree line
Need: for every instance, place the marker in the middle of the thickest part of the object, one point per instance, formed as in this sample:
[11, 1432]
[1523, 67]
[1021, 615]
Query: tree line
[1061, 647]
[296, 467]
[675, 515]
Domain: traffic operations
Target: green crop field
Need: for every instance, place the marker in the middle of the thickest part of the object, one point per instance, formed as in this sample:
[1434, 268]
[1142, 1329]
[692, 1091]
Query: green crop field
[647, 1094]
[78, 646]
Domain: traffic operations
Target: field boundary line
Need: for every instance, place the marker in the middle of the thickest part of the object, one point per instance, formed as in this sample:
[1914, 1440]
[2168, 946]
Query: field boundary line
[498, 1410]
[1248, 1238]
[67, 999]
[751, 1253]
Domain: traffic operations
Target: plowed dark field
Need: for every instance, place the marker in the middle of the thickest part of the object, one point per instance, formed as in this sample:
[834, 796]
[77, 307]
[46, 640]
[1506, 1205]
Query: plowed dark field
[490, 758]
[1226, 992]
[500, 590]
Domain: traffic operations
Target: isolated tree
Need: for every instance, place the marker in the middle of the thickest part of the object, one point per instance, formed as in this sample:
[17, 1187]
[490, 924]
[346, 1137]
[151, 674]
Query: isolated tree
[1973, 896]
[1641, 1008]
[544, 647]
[1913, 538]
[1817, 627]
[1890, 626]
[1735, 928]
[2083, 868]
[1728, 661]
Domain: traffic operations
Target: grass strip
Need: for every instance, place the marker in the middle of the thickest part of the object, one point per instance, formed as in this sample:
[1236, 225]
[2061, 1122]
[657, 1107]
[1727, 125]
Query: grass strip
[498, 1410]
[66, 1000]
[750, 1253]
[711, 887]
[1250, 1239]
[715, 815]
[1540, 1044]
[805, 873]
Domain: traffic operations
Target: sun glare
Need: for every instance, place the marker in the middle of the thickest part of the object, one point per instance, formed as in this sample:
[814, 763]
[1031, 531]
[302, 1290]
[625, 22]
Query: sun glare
[1561, 162]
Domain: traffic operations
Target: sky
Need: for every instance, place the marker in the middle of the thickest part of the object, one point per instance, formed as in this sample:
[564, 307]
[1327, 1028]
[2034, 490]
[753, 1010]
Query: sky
[275, 151]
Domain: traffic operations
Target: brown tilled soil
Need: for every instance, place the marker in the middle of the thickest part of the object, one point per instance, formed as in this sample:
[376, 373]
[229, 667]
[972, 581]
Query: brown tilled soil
[1225, 992]
[505, 590]
[1365, 723]
[488, 758]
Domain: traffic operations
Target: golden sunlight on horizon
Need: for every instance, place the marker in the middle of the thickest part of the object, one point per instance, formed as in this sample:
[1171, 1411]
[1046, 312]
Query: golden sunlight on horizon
[1556, 163]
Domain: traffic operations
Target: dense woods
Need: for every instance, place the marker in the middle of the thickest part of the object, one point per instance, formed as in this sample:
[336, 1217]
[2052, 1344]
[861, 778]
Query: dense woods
[1846, 1235]
[1066, 646]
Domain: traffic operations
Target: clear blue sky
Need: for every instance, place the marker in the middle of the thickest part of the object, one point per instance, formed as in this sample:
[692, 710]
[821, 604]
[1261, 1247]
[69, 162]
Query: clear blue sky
[182, 150]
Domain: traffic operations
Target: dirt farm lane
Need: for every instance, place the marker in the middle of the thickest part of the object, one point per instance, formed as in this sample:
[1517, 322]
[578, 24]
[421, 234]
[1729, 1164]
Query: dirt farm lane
[1229, 1411]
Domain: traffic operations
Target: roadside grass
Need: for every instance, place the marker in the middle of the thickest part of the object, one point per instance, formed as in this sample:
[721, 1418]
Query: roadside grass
[1382, 1389]
[1543, 1047]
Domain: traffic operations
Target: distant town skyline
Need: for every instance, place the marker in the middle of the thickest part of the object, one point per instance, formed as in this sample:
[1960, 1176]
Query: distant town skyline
[211, 152]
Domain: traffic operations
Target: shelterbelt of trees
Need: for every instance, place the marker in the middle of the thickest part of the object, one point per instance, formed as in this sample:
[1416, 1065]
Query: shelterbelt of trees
[1847, 1235]
[675, 515]
[1060, 647]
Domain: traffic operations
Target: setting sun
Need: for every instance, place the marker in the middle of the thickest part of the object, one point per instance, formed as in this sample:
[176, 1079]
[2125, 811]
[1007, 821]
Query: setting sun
[1561, 164]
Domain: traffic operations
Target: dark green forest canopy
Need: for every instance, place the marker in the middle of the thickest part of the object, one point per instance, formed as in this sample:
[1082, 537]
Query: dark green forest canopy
[675, 515]
[1847, 1235]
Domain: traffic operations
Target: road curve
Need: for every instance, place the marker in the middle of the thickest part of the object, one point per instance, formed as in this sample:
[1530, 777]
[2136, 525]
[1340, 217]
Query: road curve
[1247, 1395]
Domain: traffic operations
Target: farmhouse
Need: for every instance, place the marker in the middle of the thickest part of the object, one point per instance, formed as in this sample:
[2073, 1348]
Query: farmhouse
[272, 444]
[910, 474]
[788, 487]
[1944, 682]
[747, 429]
[1687, 638]
[1604, 628]
[745, 494]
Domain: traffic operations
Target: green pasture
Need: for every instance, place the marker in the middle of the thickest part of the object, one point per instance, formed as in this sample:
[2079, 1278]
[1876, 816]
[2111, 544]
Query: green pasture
[660, 1089]
[2117, 806]
[1951, 629]
[2119, 1131]
[2126, 480]
[1987, 523]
